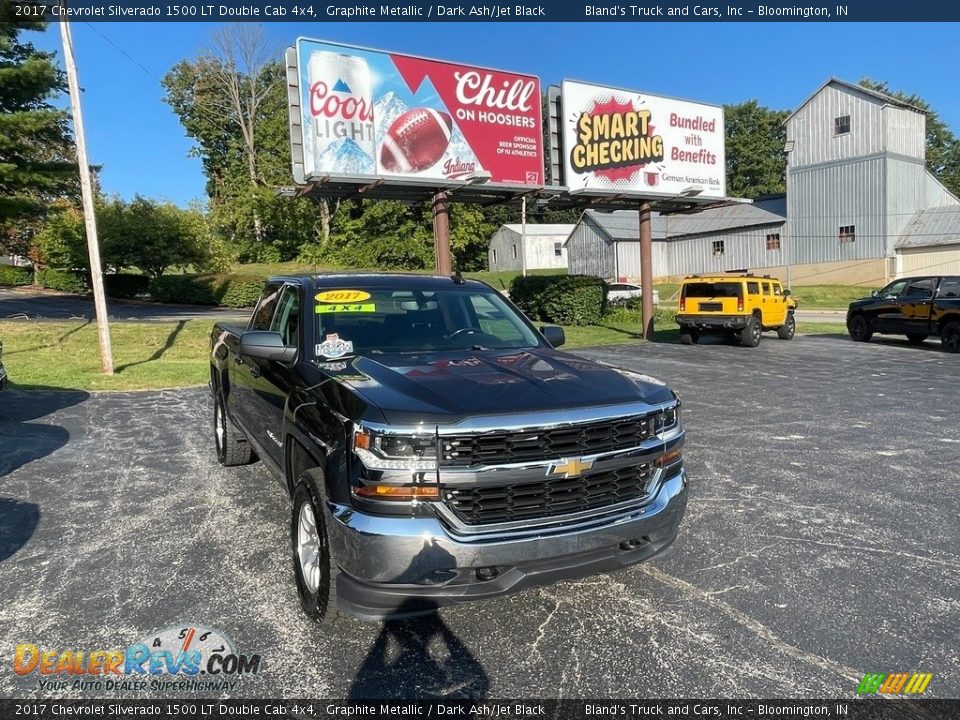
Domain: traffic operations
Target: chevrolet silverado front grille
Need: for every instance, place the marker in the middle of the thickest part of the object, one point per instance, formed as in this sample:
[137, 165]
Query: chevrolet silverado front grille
[498, 448]
[561, 496]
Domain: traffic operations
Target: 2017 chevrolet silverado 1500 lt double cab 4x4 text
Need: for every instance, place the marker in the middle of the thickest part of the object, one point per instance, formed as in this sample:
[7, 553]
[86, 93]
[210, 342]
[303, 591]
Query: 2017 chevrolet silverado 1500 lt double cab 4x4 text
[436, 446]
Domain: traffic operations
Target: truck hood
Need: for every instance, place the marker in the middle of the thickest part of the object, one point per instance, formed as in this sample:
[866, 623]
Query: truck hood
[445, 388]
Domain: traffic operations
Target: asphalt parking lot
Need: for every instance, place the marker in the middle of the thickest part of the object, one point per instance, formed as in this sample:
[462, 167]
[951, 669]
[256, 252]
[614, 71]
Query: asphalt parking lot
[821, 543]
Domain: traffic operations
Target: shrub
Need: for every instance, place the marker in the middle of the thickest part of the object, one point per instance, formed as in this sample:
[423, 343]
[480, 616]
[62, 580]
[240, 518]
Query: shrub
[11, 276]
[64, 280]
[125, 285]
[561, 299]
[227, 290]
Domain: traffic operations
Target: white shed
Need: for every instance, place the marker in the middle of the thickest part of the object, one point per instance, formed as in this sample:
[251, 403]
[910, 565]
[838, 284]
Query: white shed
[543, 247]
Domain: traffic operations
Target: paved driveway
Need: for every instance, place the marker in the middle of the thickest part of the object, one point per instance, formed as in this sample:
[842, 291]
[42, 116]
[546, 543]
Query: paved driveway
[32, 304]
[821, 543]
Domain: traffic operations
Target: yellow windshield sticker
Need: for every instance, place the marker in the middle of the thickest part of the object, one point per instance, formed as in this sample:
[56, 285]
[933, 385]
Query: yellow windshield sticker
[342, 296]
[347, 308]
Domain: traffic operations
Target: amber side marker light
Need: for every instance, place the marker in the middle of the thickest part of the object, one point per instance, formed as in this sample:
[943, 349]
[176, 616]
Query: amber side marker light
[397, 492]
[668, 458]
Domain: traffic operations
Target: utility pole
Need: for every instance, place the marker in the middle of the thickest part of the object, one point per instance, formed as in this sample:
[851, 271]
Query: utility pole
[523, 235]
[86, 189]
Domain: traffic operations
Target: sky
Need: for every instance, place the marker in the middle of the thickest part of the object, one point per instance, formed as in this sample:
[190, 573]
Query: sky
[141, 145]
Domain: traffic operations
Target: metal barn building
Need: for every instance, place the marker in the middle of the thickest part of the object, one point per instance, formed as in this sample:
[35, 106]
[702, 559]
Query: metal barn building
[860, 208]
[543, 247]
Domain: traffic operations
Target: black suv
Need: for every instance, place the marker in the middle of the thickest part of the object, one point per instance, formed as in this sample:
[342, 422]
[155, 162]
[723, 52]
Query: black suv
[917, 307]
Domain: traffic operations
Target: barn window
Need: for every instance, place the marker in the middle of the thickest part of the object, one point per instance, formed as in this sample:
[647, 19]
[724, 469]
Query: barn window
[773, 241]
[841, 125]
[718, 248]
[848, 233]
[514, 252]
[558, 249]
[494, 256]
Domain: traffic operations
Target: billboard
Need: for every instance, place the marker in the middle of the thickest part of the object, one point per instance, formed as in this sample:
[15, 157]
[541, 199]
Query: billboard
[372, 114]
[619, 141]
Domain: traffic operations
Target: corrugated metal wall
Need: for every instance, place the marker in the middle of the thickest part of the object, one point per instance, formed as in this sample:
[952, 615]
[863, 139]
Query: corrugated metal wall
[588, 253]
[743, 249]
[628, 259]
[943, 260]
[904, 132]
[503, 242]
[823, 198]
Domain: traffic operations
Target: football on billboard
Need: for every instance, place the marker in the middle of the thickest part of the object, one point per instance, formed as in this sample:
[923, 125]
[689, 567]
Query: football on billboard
[416, 140]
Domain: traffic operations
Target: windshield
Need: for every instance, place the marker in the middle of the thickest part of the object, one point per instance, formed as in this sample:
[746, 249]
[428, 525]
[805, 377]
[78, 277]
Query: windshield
[712, 290]
[382, 320]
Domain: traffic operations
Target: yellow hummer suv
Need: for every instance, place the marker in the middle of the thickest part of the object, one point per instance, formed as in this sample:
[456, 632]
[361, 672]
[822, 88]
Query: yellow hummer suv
[741, 305]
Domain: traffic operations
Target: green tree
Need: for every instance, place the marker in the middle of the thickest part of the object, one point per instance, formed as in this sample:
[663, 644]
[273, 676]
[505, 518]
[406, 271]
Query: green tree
[35, 142]
[62, 241]
[943, 148]
[756, 162]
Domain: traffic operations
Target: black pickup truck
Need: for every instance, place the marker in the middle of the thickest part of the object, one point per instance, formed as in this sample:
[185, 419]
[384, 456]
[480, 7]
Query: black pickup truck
[917, 307]
[437, 448]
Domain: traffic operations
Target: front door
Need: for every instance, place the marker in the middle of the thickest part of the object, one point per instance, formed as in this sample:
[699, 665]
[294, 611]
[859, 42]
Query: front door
[914, 306]
[884, 313]
[245, 371]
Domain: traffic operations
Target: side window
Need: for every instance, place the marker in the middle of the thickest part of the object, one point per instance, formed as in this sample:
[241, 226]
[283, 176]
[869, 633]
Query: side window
[777, 289]
[920, 289]
[493, 321]
[264, 311]
[950, 288]
[287, 320]
[894, 289]
[766, 288]
[753, 288]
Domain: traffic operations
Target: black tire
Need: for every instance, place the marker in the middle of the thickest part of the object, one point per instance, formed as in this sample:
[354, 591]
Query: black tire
[316, 575]
[232, 447]
[750, 335]
[950, 336]
[859, 328]
[689, 337]
[788, 329]
[917, 339]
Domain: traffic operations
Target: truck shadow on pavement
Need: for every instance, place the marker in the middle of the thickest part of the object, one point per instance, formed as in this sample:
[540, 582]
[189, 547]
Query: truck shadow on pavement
[18, 520]
[23, 441]
[419, 658]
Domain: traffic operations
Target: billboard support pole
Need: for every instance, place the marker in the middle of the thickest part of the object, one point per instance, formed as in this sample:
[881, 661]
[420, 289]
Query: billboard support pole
[441, 232]
[646, 269]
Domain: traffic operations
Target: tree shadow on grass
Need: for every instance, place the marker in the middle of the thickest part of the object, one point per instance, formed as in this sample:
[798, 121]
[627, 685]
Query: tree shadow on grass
[160, 352]
[59, 340]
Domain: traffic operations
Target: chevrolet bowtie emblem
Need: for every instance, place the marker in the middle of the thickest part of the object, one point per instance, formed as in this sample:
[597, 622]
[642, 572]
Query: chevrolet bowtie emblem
[570, 468]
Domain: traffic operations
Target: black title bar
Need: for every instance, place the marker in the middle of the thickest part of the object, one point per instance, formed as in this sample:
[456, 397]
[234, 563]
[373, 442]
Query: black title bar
[489, 10]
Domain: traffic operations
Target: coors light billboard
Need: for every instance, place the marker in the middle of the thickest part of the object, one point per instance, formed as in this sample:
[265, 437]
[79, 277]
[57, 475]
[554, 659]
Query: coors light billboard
[621, 141]
[372, 113]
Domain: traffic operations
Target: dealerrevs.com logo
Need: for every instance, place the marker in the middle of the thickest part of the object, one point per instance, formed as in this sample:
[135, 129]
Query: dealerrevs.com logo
[186, 658]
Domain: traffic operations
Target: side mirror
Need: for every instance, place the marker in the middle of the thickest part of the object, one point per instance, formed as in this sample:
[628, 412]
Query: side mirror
[266, 345]
[874, 293]
[786, 292]
[554, 335]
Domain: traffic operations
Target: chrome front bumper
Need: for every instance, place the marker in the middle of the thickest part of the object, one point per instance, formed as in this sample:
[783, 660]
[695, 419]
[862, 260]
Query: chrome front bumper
[400, 566]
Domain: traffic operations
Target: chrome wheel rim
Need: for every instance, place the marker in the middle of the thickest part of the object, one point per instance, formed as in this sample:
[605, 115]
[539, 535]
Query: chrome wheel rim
[308, 547]
[218, 425]
[757, 331]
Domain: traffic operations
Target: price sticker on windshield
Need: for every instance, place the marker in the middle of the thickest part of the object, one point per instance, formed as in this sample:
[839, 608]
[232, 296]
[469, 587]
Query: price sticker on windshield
[342, 296]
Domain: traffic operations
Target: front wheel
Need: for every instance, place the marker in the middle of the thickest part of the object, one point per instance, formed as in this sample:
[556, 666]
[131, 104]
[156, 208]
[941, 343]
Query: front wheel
[689, 337]
[788, 329]
[750, 335]
[314, 568]
[859, 328]
[950, 336]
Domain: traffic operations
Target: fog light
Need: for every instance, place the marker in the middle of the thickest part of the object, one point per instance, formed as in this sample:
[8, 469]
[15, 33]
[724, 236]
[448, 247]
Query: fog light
[487, 573]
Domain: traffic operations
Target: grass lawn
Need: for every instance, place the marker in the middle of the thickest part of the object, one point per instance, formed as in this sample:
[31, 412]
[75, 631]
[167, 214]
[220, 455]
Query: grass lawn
[828, 296]
[145, 355]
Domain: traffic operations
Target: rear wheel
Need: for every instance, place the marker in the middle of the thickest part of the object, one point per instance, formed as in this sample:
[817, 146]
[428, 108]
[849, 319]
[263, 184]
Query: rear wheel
[917, 339]
[750, 335]
[689, 336]
[314, 568]
[788, 329]
[859, 328]
[950, 336]
[232, 447]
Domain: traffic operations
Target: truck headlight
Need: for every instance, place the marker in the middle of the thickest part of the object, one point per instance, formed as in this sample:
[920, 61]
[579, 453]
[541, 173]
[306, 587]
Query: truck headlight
[666, 419]
[387, 451]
